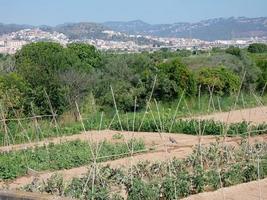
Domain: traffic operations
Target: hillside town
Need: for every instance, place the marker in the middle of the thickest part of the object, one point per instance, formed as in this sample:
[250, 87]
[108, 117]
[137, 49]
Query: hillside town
[10, 43]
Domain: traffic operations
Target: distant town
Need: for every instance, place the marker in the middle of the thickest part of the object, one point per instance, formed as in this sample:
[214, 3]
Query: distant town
[12, 42]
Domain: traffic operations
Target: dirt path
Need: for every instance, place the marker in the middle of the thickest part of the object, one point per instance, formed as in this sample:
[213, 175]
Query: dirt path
[256, 190]
[163, 150]
[255, 115]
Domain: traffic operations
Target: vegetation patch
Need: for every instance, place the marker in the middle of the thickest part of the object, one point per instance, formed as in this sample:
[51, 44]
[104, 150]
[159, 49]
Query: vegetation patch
[206, 169]
[62, 156]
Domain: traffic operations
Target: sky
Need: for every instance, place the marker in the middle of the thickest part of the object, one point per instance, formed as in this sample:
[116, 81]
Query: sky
[53, 12]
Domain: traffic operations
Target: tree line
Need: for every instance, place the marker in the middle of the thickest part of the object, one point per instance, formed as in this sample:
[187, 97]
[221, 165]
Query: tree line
[45, 75]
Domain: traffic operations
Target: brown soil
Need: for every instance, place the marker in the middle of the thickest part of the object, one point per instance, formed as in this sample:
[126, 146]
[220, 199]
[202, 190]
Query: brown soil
[256, 190]
[254, 115]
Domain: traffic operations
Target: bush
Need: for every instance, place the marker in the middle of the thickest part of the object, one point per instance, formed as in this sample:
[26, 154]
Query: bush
[233, 50]
[262, 80]
[174, 78]
[257, 48]
[176, 186]
[59, 71]
[141, 190]
[14, 94]
[218, 80]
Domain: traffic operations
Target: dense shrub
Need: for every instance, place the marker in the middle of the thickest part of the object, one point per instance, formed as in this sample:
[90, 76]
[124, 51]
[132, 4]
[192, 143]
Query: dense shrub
[14, 94]
[257, 48]
[173, 78]
[262, 80]
[139, 189]
[45, 64]
[233, 50]
[218, 80]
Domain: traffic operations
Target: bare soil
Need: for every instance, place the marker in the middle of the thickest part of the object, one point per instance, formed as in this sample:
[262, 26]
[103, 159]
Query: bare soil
[255, 115]
[255, 190]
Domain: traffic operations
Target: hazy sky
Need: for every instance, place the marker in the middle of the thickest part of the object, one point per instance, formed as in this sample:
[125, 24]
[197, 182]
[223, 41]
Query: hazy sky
[51, 12]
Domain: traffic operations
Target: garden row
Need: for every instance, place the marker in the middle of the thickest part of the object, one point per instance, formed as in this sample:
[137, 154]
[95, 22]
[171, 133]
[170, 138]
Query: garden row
[206, 169]
[149, 123]
[62, 156]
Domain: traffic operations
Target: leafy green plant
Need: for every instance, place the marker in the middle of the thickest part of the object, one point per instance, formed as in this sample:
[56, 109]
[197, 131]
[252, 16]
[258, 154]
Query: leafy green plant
[61, 156]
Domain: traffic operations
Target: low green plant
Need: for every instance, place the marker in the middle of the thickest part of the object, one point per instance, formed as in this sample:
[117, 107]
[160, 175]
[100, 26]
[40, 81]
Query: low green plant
[219, 166]
[62, 156]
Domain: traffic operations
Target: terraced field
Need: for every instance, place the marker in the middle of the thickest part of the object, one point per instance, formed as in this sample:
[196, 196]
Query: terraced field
[158, 147]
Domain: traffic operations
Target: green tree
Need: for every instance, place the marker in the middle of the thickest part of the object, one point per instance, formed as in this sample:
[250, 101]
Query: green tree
[88, 55]
[233, 50]
[173, 78]
[218, 80]
[14, 94]
[39, 63]
[126, 84]
[262, 81]
[257, 48]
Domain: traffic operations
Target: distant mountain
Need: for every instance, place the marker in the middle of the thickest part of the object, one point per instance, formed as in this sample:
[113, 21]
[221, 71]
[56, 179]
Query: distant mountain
[9, 28]
[84, 30]
[212, 29]
[131, 27]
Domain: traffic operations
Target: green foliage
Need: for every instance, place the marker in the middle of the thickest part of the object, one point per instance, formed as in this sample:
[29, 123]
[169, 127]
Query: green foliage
[139, 189]
[192, 127]
[72, 73]
[59, 71]
[262, 80]
[61, 156]
[177, 186]
[14, 94]
[81, 188]
[233, 175]
[198, 179]
[183, 52]
[162, 120]
[7, 63]
[55, 185]
[257, 48]
[38, 64]
[174, 78]
[130, 78]
[88, 55]
[233, 50]
[169, 180]
[250, 70]
[218, 80]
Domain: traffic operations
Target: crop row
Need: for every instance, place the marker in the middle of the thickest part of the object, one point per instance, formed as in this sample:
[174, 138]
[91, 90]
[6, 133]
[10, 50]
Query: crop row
[62, 156]
[148, 123]
[192, 127]
[206, 169]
